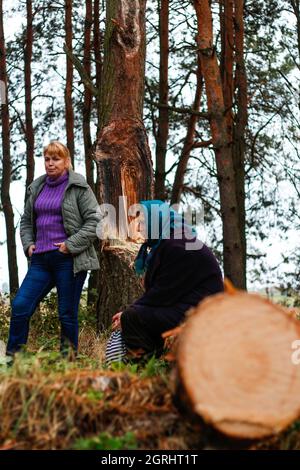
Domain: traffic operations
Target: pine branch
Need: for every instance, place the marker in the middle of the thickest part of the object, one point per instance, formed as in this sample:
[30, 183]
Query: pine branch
[205, 116]
[82, 72]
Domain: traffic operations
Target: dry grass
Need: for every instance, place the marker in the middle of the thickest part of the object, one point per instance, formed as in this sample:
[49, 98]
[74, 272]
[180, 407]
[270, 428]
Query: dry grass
[40, 410]
[48, 403]
[91, 344]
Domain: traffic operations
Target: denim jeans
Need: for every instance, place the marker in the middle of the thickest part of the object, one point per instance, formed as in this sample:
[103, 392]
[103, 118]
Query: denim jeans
[47, 270]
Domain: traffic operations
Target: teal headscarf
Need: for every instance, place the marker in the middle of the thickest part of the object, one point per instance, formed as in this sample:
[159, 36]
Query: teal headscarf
[162, 222]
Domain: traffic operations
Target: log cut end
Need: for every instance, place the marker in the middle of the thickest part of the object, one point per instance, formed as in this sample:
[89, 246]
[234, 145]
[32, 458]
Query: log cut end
[235, 365]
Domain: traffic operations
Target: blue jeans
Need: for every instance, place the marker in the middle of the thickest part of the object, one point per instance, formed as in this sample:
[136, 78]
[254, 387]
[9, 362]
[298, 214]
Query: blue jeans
[46, 271]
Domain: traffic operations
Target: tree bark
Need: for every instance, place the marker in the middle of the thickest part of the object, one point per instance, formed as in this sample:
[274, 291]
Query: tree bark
[97, 55]
[6, 169]
[69, 80]
[163, 117]
[122, 152]
[232, 53]
[232, 246]
[94, 276]
[226, 63]
[87, 101]
[238, 148]
[29, 136]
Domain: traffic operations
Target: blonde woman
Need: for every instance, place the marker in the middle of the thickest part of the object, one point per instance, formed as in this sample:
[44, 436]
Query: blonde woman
[57, 229]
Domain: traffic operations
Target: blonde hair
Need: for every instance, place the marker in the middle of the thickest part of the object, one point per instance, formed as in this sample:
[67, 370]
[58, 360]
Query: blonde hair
[57, 148]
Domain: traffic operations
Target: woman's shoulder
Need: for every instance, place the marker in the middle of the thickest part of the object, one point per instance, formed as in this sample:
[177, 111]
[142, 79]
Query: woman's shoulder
[36, 183]
[181, 244]
[172, 247]
[76, 179]
[194, 248]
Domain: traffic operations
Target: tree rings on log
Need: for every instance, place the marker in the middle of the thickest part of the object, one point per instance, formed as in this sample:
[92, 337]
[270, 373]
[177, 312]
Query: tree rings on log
[235, 365]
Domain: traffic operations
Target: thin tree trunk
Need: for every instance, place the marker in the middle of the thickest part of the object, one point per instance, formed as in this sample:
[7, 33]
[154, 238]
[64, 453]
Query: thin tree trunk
[87, 101]
[226, 63]
[295, 4]
[188, 141]
[97, 55]
[296, 9]
[232, 247]
[97, 47]
[29, 137]
[6, 170]
[232, 53]
[122, 152]
[69, 80]
[94, 276]
[239, 127]
[163, 117]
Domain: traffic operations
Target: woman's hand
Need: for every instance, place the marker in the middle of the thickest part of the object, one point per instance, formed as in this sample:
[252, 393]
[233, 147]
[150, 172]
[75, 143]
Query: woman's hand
[116, 321]
[62, 248]
[31, 250]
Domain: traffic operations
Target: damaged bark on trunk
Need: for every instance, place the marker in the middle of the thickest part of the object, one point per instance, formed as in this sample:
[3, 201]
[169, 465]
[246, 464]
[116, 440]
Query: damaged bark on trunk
[121, 150]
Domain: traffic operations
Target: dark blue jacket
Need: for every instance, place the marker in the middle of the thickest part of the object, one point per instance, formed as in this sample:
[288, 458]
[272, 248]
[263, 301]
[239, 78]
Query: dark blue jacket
[179, 276]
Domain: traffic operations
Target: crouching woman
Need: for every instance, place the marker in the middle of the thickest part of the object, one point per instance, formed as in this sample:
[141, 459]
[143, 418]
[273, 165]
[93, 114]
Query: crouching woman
[179, 270]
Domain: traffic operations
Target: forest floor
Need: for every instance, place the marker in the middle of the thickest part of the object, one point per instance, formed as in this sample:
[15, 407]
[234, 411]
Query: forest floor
[47, 402]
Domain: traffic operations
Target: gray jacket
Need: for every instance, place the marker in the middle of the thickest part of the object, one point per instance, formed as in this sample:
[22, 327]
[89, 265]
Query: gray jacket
[80, 219]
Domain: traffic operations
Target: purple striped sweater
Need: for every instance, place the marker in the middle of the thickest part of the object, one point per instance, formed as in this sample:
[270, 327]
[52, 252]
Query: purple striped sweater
[49, 221]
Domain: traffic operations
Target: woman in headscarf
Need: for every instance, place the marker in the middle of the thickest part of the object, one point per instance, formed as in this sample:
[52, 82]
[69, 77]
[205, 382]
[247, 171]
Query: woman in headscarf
[179, 272]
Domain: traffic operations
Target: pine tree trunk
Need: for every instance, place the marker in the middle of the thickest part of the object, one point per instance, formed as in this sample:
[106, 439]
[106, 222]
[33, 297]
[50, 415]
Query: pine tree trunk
[69, 81]
[121, 151]
[232, 246]
[233, 53]
[163, 117]
[29, 137]
[94, 276]
[97, 55]
[6, 170]
[239, 128]
[118, 284]
[87, 101]
[226, 62]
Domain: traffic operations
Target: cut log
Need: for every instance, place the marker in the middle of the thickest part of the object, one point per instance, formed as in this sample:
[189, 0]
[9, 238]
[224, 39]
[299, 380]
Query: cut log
[235, 367]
